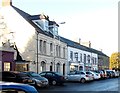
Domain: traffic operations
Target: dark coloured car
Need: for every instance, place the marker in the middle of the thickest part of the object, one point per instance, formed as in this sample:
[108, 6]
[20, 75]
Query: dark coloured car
[39, 80]
[15, 76]
[10, 87]
[110, 73]
[54, 78]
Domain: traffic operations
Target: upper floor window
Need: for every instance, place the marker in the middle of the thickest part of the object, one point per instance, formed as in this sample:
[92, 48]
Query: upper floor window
[41, 44]
[71, 55]
[51, 48]
[59, 51]
[76, 56]
[84, 58]
[88, 58]
[63, 52]
[93, 60]
[80, 57]
[44, 47]
[56, 50]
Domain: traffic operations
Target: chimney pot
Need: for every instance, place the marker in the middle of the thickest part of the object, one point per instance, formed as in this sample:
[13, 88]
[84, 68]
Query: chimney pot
[79, 40]
[6, 3]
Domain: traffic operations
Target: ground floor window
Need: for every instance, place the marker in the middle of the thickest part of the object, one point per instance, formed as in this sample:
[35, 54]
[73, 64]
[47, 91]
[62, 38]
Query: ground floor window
[73, 67]
[22, 67]
[43, 66]
[58, 67]
[63, 69]
[81, 68]
[6, 66]
[51, 66]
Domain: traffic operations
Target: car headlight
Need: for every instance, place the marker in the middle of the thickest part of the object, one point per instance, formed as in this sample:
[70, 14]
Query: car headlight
[38, 81]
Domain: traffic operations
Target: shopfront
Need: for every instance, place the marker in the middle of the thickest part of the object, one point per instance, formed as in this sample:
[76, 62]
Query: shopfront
[76, 67]
[7, 60]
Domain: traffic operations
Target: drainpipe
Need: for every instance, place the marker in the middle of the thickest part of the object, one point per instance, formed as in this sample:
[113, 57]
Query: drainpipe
[37, 50]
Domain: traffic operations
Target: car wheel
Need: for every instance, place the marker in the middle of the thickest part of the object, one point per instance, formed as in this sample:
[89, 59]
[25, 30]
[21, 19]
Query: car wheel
[54, 82]
[82, 80]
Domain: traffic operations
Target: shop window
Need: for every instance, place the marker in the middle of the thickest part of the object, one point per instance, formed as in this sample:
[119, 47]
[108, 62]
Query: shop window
[6, 66]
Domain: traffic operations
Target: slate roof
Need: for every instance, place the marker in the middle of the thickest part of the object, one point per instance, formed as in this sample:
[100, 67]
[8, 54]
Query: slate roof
[78, 46]
[28, 18]
[70, 43]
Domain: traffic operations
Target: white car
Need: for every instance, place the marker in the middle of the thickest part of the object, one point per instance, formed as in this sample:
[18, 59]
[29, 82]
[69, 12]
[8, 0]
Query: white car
[116, 73]
[79, 76]
[96, 76]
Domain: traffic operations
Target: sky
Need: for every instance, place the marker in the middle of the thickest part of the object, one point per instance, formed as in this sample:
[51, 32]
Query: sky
[90, 20]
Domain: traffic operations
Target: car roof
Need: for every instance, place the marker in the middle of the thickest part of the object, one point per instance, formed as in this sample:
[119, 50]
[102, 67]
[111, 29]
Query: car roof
[8, 85]
[48, 71]
[16, 72]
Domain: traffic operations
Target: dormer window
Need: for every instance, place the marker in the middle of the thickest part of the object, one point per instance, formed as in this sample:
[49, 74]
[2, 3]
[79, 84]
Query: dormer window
[53, 27]
[42, 22]
[55, 30]
[39, 23]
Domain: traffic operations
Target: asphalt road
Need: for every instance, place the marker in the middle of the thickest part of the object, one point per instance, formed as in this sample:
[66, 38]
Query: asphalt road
[107, 85]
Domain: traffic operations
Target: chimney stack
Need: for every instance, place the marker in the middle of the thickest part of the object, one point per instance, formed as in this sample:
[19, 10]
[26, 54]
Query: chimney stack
[79, 40]
[89, 44]
[6, 3]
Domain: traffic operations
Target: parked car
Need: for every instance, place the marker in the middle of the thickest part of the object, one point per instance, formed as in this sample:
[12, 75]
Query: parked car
[109, 74]
[54, 78]
[15, 76]
[105, 73]
[102, 73]
[39, 80]
[10, 87]
[112, 73]
[116, 73]
[96, 76]
[80, 76]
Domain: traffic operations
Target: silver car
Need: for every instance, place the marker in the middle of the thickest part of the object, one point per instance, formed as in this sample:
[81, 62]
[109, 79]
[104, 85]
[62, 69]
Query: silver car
[79, 76]
[95, 75]
[39, 80]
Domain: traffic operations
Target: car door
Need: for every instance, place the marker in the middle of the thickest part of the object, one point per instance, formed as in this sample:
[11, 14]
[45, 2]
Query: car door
[50, 76]
[77, 76]
[7, 76]
[82, 75]
[71, 76]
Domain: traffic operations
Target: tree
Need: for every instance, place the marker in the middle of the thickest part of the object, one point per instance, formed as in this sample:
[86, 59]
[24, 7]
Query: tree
[115, 61]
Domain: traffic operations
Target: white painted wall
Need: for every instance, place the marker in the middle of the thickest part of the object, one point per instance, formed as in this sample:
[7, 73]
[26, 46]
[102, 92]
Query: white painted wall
[24, 33]
[82, 52]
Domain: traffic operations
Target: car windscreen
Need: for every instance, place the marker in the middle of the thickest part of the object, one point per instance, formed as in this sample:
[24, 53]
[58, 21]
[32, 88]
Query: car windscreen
[33, 74]
[22, 75]
[58, 74]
